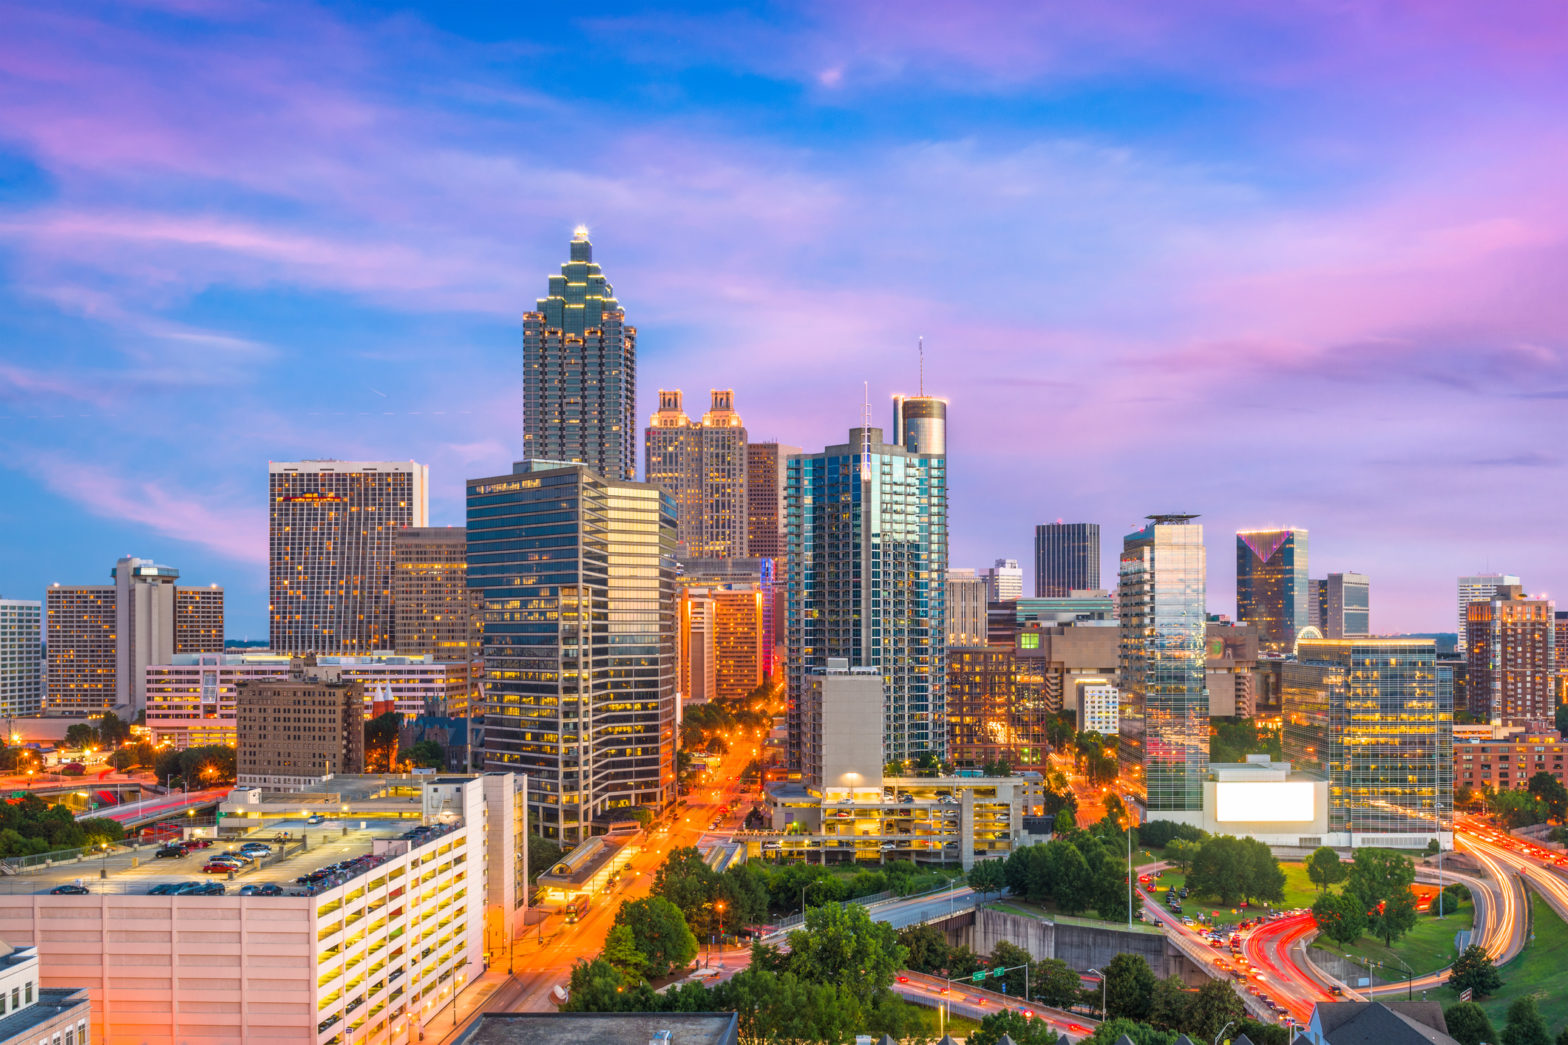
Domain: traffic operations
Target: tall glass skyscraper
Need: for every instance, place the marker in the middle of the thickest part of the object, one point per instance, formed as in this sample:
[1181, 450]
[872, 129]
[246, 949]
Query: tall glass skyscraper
[702, 466]
[1165, 703]
[1368, 716]
[580, 372]
[1272, 585]
[867, 537]
[1066, 559]
[577, 575]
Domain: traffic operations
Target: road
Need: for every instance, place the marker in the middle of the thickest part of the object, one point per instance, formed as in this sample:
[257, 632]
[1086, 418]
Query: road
[965, 999]
[173, 802]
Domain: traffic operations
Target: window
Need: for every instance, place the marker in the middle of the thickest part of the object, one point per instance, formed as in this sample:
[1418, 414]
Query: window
[29, 995]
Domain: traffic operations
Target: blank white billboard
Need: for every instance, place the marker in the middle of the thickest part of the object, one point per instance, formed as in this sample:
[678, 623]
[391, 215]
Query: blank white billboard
[1263, 802]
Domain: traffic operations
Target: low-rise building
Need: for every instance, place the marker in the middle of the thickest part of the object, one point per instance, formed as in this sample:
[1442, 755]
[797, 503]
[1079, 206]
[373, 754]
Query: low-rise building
[603, 1028]
[1265, 800]
[32, 1013]
[362, 932]
[1505, 758]
[300, 729]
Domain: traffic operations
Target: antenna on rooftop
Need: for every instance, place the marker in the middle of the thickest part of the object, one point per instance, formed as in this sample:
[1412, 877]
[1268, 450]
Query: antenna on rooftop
[865, 435]
[922, 365]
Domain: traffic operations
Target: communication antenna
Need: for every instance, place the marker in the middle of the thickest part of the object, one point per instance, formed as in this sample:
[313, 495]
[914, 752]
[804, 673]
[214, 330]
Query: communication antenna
[865, 435]
[922, 366]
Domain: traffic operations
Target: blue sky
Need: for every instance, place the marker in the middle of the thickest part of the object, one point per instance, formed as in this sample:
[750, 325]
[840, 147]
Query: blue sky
[1272, 265]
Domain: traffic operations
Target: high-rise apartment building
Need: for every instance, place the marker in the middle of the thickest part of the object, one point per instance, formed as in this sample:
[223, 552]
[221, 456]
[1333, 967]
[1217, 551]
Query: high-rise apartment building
[1165, 707]
[724, 642]
[867, 571]
[1271, 585]
[21, 657]
[1341, 606]
[1511, 646]
[1066, 558]
[1366, 715]
[1478, 587]
[331, 528]
[580, 372]
[578, 577]
[434, 610]
[702, 466]
[965, 608]
[767, 465]
[1004, 581]
[920, 424]
[298, 730]
[101, 637]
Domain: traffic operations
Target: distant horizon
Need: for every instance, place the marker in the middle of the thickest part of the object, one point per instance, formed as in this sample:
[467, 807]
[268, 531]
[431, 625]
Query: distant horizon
[1286, 263]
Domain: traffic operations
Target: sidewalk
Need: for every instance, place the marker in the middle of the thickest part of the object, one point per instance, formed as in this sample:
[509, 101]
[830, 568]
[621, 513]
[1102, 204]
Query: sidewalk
[470, 1001]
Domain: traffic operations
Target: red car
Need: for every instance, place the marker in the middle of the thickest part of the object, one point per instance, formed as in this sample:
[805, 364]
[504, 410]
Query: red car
[197, 843]
[219, 867]
[903, 979]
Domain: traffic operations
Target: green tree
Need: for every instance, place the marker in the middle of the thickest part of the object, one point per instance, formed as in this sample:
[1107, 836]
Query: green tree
[542, 855]
[1468, 1023]
[782, 1007]
[1170, 1004]
[1560, 717]
[1011, 956]
[1380, 880]
[620, 950]
[1262, 877]
[1525, 1026]
[425, 753]
[80, 735]
[1219, 869]
[1054, 983]
[112, 730]
[1109, 1032]
[1454, 897]
[841, 944]
[1013, 1024]
[660, 933]
[381, 742]
[1339, 917]
[1215, 1005]
[1474, 970]
[686, 880]
[1129, 987]
[1066, 820]
[597, 986]
[1324, 868]
[987, 876]
[1179, 853]
[1517, 808]
[1551, 793]
[927, 949]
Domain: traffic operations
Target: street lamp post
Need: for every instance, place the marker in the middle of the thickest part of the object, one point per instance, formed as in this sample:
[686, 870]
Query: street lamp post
[1223, 1029]
[1104, 1014]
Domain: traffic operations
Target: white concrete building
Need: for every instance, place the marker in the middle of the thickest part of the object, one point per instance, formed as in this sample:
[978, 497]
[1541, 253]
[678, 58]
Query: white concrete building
[21, 657]
[1099, 707]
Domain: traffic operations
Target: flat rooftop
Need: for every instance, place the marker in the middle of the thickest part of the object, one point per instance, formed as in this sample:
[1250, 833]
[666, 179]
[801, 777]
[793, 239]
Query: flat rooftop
[137, 871]
[602, 1028]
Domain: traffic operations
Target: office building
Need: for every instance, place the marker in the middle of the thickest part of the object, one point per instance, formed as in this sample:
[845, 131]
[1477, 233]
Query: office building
[1366, 716]
[966, 602]
[1511, 644]
[1066, 558]
[298, 730]
[331, 529]
[1160, 673]
[841, 727]
[31, 1012]
[428, 887]
[1271, 585]
[578, 577]
[1099, 708]
[580, 372]
[1562, 641]
[767, 468]
[21, 657]
[1230, 669]
[1504, 758]
[101, 637]
[920, 424]
[1478, 587]
[724, 642]
[867, 572]
[702, 466]
[697, 665]
[756, 574]
[191, 699]
[1004, 581]
[1339, 606]
[434, 611]
[981, 684]
[1004, 620]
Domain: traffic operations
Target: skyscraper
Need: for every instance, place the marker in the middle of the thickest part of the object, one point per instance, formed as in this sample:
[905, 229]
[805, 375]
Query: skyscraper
[198, 620]
[965, 609]
[1271, 585]
[434, 611]
[702, 466]
[1161, 665]
[580, 372]
[867, 566]
[1367, 716]
[331, 528]
[21, 657]
[920, 423]
[578, 577]
[1004, 581]
[1340, 606]
[1478, 587]
[766, 468]
[1511, 646]
[1066, 559]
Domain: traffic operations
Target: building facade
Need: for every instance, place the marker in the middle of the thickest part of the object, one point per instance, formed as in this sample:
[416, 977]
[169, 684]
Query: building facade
[81, 636]
[1341, 606]
[1066, 558]
[1164, 745]
[299, 729]
[580, 372]
[331, 530]
[1366, 715]
[767, 468]
[198, 620]
[191, 699]
[982, 682]
[577, 574]
[867, 571]
[1272, 585]
[1478, 587]
[21, 657]
[1511, 646]
[1505, 761]
[1004, 581]
[702, 466]
[965, 609]
[434, 611]
[920, 424]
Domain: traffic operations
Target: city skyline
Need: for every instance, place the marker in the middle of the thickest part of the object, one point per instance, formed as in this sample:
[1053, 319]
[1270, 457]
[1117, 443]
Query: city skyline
[199, 294]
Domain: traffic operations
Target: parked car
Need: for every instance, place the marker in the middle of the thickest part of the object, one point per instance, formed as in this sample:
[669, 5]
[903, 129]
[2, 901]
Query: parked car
[235, 854]
[197, 843]
[219, 867]
[171, 852]
[166, 888]
[256, 849]
[313, 820]
[266, 889]
[69, 890]
[202, 889]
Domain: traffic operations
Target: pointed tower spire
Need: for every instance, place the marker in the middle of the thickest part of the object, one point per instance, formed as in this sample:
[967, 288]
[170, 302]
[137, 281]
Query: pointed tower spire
[922, 366]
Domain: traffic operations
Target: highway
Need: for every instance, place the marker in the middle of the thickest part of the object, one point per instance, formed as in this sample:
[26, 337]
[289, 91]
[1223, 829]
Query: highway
[174, 802]
[965, 999]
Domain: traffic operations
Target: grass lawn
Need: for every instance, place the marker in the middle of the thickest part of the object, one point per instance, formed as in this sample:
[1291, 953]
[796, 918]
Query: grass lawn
[1538, 972]
[1046, 911]
[1426, 948]
[1299, 892]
